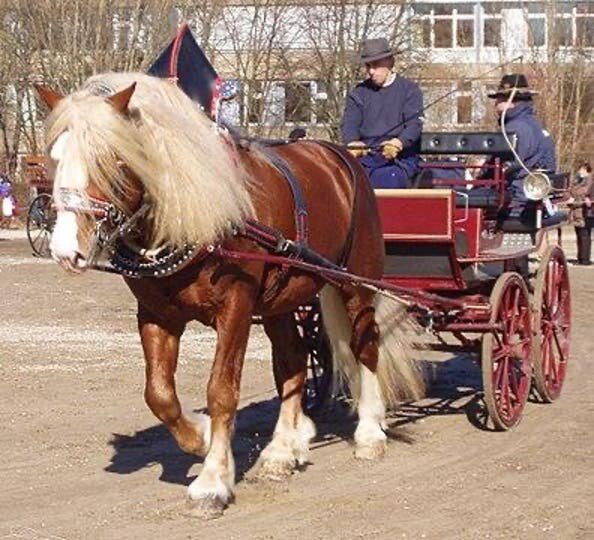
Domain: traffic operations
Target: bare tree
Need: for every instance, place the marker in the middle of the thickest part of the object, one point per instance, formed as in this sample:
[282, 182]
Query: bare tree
[61, 43]
[561, 71]
[330, 34]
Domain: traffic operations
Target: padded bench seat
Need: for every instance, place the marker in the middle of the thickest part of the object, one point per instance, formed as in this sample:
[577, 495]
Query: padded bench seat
[480, 197]
[519, 225]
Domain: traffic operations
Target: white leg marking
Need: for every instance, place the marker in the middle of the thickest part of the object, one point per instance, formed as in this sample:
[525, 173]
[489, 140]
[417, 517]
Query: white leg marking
[369, 436]
[217, 478]
[288, 448]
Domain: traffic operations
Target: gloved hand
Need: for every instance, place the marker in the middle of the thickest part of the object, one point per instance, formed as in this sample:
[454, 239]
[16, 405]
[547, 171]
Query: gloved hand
[391, 148]
[358, 149]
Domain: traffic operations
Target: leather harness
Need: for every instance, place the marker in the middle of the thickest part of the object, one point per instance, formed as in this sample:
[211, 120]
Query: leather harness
[300, 205]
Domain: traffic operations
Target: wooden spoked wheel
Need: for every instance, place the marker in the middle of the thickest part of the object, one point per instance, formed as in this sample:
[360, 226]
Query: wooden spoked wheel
[506, 351]
[552, 324]
[41, 219]
[319, 362]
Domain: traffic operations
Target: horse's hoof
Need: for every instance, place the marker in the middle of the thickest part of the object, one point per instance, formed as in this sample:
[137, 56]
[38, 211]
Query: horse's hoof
[209, 507]
[271, 471]
[371, 450]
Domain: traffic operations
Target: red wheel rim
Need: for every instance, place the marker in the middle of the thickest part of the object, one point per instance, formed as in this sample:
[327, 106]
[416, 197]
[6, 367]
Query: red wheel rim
[510, 355]
[555, 326]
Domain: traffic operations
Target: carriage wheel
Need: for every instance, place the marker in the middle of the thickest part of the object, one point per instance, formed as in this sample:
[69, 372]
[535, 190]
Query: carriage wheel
[552, 324]
[319, 361]
[506, 352]
[41, 219]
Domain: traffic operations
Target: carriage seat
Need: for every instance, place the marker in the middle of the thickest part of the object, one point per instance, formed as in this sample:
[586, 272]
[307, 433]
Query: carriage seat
[519, 224]
[480, 197]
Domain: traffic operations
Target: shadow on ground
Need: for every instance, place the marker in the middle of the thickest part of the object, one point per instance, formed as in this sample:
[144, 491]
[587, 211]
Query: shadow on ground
[455, 388]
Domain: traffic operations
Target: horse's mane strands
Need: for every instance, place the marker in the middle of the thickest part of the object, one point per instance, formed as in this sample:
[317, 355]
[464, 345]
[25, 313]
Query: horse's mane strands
[198, 199]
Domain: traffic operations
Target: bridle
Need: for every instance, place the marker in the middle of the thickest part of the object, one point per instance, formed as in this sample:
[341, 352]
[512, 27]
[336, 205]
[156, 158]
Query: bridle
[111, 223]
[113, 250]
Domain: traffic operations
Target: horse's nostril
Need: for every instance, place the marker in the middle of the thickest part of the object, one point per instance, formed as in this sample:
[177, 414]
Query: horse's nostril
[80, 261]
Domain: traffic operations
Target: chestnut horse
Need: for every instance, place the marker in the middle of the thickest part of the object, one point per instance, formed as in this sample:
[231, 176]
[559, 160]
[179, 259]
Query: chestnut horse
[132, 139]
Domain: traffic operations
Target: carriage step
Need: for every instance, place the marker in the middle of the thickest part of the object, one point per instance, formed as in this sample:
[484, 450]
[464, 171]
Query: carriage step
[513, 244]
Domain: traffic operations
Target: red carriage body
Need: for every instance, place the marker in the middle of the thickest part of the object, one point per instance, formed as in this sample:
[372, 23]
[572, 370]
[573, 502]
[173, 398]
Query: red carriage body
[450, 242]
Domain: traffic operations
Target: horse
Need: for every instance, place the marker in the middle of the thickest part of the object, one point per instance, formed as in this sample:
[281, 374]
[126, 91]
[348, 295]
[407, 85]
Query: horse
[129, 139]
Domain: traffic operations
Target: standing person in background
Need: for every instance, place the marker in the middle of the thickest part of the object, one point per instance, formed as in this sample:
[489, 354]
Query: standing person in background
[382, 119]
[582, 212]
[8, 202]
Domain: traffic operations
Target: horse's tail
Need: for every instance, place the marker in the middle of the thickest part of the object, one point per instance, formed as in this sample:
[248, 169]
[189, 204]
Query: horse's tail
[400, 377]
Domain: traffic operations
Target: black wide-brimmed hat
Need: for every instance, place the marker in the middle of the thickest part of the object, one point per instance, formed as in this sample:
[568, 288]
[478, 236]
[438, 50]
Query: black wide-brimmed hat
[517, 81]
[375, 49]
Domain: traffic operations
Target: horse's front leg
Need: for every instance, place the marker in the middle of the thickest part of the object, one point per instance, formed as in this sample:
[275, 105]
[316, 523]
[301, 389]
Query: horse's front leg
[289, 447]
[212, 491]
[160, 342]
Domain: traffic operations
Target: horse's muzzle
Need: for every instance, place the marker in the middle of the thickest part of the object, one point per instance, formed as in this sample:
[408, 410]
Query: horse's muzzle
[75, 264]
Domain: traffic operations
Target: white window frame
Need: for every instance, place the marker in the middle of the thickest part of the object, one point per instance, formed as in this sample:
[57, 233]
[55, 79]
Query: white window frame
[454, 17]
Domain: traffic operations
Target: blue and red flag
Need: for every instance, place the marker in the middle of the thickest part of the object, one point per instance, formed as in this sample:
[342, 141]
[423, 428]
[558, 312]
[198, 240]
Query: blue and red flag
[185, 63]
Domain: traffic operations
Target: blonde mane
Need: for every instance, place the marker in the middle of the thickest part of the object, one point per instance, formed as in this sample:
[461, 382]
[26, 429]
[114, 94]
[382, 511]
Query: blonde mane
[196, 191]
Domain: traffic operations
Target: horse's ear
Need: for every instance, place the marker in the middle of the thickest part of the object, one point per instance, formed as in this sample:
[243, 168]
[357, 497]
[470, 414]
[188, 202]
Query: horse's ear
[121, 100]
[50, 97]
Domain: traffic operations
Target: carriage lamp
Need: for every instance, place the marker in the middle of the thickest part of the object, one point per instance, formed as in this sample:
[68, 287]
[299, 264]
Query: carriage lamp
[537, 185]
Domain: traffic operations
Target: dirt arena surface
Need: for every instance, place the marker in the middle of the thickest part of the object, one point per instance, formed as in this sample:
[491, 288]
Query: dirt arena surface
[81, 456]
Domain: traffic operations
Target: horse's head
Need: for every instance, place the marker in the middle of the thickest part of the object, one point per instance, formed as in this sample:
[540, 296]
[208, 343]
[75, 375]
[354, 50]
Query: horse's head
[83, 199]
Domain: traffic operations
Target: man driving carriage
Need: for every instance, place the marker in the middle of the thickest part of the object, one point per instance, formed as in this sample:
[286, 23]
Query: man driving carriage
[535, 149]
[382, 119]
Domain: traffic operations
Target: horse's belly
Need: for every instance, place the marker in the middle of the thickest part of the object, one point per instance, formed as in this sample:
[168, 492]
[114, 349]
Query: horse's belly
[285, 292]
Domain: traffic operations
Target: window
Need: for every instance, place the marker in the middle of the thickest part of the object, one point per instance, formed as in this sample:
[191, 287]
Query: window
[562, 32]
[464, 112]
[573, 25]
[321, 106]
[298, 102]
[536, 32]
[445, 26]
[492, 32]
[585, 31]
[123, 30]
[254, 102]
[443, 33]
[425, 33]
[465, 33]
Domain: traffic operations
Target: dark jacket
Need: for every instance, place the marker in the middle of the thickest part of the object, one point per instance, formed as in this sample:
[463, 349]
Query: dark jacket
[373, 114]
[582, 192]
[535, 146]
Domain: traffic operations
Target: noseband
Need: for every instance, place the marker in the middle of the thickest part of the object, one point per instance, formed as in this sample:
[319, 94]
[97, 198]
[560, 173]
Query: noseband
[113, 251]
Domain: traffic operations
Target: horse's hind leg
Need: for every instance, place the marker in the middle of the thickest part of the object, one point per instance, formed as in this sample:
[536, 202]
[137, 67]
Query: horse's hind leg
[160, 342]
[289, 446]
[354, 336]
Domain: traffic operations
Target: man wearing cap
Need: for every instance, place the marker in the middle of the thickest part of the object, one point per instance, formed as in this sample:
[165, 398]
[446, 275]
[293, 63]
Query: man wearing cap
[382, 119]
[534, 146]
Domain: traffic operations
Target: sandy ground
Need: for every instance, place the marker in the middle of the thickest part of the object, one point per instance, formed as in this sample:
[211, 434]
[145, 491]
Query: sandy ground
[82, 457]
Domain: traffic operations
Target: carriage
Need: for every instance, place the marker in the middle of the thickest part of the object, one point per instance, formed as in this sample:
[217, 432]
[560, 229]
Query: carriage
[464, 270]
[500, 287]
[41, 215]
